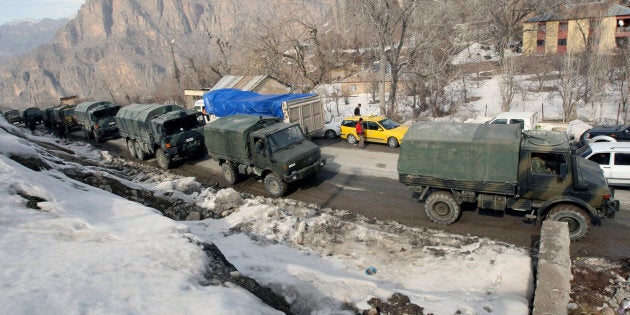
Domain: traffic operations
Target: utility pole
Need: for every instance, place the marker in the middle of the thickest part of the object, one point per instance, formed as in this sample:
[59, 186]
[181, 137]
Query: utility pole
[382, 91]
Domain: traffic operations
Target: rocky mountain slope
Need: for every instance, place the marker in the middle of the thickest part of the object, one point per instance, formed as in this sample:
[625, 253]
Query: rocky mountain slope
[125, 50]
[19, 38]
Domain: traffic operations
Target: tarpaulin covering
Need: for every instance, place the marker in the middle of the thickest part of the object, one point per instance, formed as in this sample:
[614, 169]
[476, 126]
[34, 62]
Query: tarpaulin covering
[226, 102]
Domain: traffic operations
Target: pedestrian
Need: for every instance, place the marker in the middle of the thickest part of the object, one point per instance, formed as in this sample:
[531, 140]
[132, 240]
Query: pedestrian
[359, 129]
[357, 110]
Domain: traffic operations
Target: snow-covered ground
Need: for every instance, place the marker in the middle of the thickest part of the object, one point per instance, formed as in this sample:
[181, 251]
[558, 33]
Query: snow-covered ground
[85, 250]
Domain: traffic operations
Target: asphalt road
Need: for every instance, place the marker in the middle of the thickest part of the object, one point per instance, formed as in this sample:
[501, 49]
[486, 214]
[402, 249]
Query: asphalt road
[365, 182]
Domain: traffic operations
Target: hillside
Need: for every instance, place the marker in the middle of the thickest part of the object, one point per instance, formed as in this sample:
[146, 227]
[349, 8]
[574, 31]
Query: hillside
[21, 37]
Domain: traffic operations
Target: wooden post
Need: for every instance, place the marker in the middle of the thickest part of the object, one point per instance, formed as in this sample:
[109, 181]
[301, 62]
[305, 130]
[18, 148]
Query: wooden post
[485, 114]
[618, 110]
[542, 111]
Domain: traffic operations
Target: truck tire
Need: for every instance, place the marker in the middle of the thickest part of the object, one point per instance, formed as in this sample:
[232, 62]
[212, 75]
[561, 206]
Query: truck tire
[131, 146]
[392, 142]
[230, 173]
[578, 220]
[140, 154]
[164, 162]
[352, 139]
[442, 208]
[274, 185]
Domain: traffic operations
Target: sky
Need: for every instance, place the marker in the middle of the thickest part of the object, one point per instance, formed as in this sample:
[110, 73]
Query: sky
[38, 9]
[89, 251]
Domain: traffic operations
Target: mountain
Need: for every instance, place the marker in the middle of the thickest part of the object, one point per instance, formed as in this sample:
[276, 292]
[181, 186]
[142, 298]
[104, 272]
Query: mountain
[19, 38]
[127, 51]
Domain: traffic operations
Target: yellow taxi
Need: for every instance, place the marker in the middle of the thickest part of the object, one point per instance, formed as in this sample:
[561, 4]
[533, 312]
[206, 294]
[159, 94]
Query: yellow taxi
[378, 129]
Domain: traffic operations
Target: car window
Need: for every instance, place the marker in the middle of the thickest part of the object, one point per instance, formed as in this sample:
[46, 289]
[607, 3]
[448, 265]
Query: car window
[388, 124]
[518, 122]
[546, 163]
[499, 121]
[372, 126]
[600, 158]
[622, 158]
[348, 123]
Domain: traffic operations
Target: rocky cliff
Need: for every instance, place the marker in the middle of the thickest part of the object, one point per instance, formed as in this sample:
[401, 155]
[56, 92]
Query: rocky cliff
[19, 38]
[125, 50]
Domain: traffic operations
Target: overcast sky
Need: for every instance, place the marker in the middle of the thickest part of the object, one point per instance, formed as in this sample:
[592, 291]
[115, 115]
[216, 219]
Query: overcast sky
[38, 9]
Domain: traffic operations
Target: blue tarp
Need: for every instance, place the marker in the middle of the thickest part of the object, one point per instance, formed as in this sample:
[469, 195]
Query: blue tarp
[226, 102]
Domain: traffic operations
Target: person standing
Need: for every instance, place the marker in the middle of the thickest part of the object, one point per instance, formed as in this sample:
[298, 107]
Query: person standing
[357, 110]
[360, 133]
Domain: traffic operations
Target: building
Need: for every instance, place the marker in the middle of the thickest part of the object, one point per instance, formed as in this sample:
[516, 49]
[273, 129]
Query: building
[600, 25]
[262, 84]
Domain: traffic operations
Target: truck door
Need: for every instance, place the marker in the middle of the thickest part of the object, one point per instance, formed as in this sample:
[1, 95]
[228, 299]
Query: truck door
[544, 178]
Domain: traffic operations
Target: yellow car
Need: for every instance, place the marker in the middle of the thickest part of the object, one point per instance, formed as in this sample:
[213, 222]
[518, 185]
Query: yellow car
[376, 129]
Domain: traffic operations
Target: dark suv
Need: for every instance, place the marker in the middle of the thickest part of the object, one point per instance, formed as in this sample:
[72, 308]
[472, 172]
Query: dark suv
[606, 133]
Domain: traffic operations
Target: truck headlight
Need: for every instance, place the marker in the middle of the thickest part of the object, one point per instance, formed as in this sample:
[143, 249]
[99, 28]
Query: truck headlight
[291, 165]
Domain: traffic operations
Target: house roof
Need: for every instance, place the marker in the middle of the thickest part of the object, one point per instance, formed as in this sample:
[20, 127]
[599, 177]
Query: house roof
[588, 10]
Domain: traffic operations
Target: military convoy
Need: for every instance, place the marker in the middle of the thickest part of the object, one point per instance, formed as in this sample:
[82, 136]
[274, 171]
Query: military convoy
[168, 131]
[97, 119]
[498, 167]
[32, 116]
[267, 147]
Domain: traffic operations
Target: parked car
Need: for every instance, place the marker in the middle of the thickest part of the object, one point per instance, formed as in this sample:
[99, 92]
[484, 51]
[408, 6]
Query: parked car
[527, 120]
[379, 129]
[613, 158]
[606, 133]
[13, 116]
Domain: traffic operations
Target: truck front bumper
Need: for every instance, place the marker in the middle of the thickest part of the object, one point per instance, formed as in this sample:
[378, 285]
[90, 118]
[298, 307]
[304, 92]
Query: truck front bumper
[305, 172]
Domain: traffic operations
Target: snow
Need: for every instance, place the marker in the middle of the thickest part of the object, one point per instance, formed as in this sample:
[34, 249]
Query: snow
[86, 250]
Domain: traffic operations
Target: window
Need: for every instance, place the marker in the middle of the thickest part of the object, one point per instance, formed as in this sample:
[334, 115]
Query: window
[562, 42]
[622, 158]
[546, 163]
[349, 123]
[371, 125]
[353, 88]
[499, 122]
[540, 42]
[564, 26]
[601, 158]
[542, 27]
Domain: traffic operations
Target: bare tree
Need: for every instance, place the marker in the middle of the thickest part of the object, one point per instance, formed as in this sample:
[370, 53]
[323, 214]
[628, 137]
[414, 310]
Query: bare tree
[570, 84]
[508, 85]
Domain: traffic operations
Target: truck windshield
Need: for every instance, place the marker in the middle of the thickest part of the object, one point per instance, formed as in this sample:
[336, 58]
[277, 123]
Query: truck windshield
[105, 113]
[388, 124]
[285, 138]
[174, 126]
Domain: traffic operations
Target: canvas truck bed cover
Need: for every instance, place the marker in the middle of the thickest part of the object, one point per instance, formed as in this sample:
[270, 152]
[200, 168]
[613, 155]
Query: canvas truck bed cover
[226, 102]
[227, 137]
[132, 119]
[461, 156]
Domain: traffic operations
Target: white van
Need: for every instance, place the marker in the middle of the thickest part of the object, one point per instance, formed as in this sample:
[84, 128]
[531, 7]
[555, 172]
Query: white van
[613, 158]
[527, 120]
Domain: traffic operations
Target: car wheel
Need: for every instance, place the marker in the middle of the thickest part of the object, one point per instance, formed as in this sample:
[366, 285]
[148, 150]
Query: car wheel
[330, 134]
[442, 208]
[230, 173]
[164, 162]
[392, 142]
[578, 221]
[274, 185]
[131, 146]
[140, 154]
[352, 139]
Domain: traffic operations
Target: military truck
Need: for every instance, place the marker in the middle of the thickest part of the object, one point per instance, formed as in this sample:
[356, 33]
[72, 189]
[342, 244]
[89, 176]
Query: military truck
[13, 116]
[97, 119]
[168, 131]
[32, 115]
[498, 167]
[63, 119]
[263, 146]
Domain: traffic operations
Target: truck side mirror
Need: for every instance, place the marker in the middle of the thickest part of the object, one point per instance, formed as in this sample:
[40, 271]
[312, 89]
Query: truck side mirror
[564, 170]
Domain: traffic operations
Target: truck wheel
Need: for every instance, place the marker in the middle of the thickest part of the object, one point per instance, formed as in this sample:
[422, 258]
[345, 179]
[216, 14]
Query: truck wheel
[164, 162]
[139, 152]
[131, 146]
[274, 185]
[442, 208]
[352, 139]
[330, 134]
[230, 173]
[392, 142]
[579, 222]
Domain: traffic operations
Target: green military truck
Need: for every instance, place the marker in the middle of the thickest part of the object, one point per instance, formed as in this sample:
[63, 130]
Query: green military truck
[32, 115]
[499, 167]
[276, 151]
[63, 119]
[97, 119]
[13, 116]
[168, 131]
